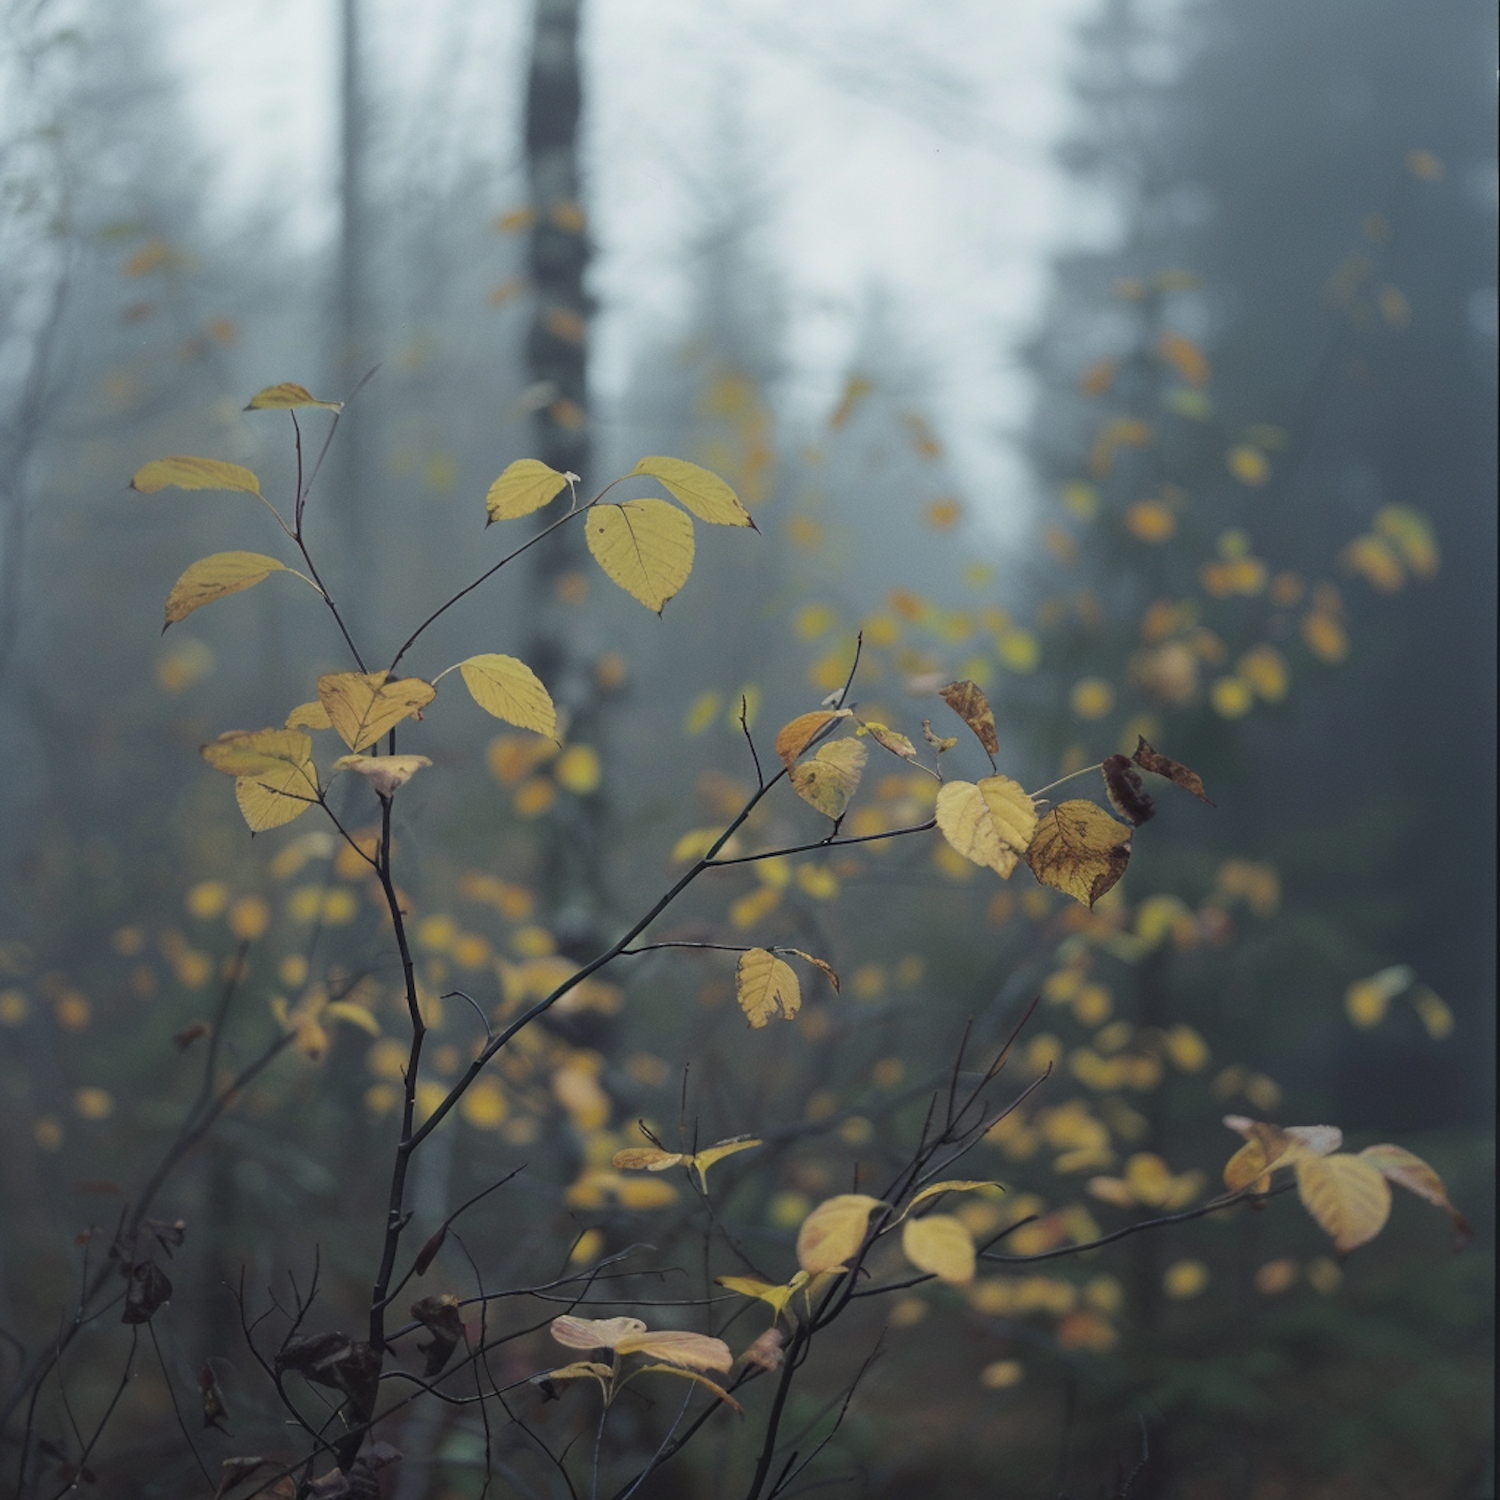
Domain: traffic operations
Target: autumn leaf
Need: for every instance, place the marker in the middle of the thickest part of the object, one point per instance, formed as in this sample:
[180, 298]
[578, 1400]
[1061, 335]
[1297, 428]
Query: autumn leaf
[701, 490]
[890, 739]
[213, 577]
[955, 1185]
[765, 986]
[1348, 1197]
[193, 474]
[1080, 849]
[751, 1286]
[834, 1231]
[361, 706]
[1149, 760]
[831, 777]
[384, 772]
[1126, 792]
[701, 1161]
[966, 700]
[1398, 1165]
[940, 743]
[525, 486]
[765, 1350]
[795, 737]
[1270, 1146]
[697, 1379]
[821, 965]
[941, 1246]
[990, 822]
[275, 779]
[645, 1159]
[287, 397]
[694, 1351]
[510, 690]
[645, 546]
[594, 1333]
[309, 716]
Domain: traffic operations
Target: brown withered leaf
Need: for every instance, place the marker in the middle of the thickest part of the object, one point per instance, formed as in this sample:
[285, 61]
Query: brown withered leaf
[189, 1034]
[233, 1472]
[970, 704]
[1150, 760]
[766, 1350]
[148, 1288]
[428, 1253]
[1126, 791]
[441, 1317]
[1080, 849]
[215, 1413]
[939, 742]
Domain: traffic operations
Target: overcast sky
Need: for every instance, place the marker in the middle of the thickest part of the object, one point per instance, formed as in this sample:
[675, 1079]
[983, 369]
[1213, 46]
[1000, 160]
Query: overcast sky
[899, 152]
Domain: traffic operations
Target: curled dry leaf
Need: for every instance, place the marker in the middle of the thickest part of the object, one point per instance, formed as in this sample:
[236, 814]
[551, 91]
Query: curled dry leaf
[938, 742]
[384, 772]
[765, 987]
[645, 1159]
[970, 704]
[796, 736]
[821, 965]
[834, 1231]
[525, 486]
[1150, 760]
[1080, 849]
[1126, 792]
[941, 1246]
[766, 1350]
[830, 779]
[889, 739]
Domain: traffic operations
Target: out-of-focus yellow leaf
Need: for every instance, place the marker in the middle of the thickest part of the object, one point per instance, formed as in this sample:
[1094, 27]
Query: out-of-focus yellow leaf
[213, 577]
[701, 490]
[1411, 534]
[645, 546]
[833, 1231]
[1433, 1012]
[287, 397]
[355, 1015]
[1080, 849]
[1185, 357]
[831, 777]
[510, 690]
[384, 772]
[1366, 1000]
[525, 486]
[361, 706]
[193, 474]
[990, 823]
[966, 700]
[1248, 464]
[940, 1245]
[765, 986]
[1347, 1195]
[1397, 1164]
[793, 738]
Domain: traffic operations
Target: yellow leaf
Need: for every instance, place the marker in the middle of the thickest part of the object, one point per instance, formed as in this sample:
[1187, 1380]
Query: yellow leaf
[990, 823]
[578, 770]
[193, 474]
[1398, 1165]
[966, 700]
[308, 716]
[525, 486]
[765, 986]
[831, 777]
[594, 1333]
[750, 1286]
[286, 397]
[702, 491]
[833, 1231]
[1269, 1146]
[645, 1159]
[794, 738]
[697, 1379]
[510, 690]
[361, 706]
[213, 577]
[1248, 464]
[956, 1185]
[1366, 1000]
[241, 752]
[940, 1245]
[384, 772]
[271, 798]
[701, 1161]
[645, 546]
[1348, 1197]
[695, 1351]
[1080, 849]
